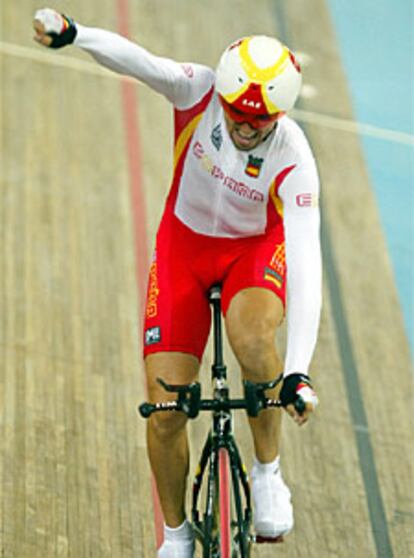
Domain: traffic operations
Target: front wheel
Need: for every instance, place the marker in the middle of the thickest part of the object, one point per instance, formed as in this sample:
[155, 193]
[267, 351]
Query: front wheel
[233, 531]
[224, 531]
[224, 504]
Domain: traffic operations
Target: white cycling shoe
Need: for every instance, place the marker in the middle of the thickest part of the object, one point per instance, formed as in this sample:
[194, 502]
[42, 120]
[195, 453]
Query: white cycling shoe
[178, 543]
[273, 512]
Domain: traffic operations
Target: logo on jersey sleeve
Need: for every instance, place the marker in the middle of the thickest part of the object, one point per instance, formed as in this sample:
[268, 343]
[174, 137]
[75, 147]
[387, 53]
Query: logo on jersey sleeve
[217, 137]
[253, 167]
[307, 200]
[188, 70]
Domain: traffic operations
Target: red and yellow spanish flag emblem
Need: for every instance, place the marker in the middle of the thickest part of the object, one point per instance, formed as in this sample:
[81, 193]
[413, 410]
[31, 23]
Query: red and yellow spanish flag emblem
[253, 167]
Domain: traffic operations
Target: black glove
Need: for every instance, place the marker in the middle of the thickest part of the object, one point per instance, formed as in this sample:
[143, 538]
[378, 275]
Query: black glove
[66, 37]
[297, 390]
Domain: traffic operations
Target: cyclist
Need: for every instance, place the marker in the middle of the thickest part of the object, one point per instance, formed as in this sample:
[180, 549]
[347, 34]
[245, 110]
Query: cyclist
[243, 211]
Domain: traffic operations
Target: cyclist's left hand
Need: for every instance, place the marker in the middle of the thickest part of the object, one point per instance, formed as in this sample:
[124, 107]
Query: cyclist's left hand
[297, 387]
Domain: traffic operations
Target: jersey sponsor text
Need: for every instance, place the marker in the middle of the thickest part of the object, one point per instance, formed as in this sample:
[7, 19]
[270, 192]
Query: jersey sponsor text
[239, 188]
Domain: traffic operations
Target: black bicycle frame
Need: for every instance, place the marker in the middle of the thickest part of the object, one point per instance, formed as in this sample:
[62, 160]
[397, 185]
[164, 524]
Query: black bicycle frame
[220, 436]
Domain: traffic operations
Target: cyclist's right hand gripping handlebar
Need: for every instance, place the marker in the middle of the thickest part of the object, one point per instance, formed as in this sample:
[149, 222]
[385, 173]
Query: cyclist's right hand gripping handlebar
[53, 29]
[297, 390]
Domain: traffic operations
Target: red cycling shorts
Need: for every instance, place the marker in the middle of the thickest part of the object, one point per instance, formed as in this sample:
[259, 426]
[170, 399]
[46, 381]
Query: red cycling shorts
[186, 264]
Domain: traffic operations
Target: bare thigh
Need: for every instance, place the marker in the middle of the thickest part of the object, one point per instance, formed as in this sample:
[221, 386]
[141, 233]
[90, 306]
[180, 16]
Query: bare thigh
[252, 319]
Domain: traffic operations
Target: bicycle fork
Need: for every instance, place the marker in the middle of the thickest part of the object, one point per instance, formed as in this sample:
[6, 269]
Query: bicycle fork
[215, 458]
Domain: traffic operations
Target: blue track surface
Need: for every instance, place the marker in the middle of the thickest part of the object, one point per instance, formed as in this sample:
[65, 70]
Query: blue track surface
[375, 38]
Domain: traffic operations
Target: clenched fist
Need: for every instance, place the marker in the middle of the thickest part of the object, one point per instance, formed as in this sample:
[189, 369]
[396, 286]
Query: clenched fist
[53, 29]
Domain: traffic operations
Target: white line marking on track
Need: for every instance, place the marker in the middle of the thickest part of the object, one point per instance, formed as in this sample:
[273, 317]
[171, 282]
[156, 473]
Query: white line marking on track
[54, 58]
[352, 126]
[313, 118]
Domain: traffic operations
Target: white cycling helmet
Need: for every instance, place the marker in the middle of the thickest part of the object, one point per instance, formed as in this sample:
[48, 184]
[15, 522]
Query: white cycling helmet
[258, 75]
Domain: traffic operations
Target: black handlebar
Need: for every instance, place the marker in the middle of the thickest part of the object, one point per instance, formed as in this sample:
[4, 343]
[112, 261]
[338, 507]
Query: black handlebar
[189, 400]
[147, 409]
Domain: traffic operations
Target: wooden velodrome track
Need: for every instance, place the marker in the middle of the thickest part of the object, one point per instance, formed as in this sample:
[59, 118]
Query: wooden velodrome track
[79, 149]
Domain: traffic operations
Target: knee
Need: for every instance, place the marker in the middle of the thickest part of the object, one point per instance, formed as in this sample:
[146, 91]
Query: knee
[166, 425]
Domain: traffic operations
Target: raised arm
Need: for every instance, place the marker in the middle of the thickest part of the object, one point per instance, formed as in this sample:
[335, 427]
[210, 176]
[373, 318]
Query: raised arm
[182, 84]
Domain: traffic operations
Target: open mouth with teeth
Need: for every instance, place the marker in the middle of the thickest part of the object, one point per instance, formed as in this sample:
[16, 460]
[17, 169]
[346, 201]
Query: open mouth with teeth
[245, 138]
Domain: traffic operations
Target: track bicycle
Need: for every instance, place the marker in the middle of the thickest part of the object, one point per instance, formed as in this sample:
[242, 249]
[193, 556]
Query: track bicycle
[223, 526]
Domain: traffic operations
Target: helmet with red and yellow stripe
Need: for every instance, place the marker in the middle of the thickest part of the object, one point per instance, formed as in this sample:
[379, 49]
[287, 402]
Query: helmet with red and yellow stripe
[258, 75]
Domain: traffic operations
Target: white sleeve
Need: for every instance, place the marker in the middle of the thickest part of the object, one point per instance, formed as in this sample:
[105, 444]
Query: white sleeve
[299, 193]
[182, 84]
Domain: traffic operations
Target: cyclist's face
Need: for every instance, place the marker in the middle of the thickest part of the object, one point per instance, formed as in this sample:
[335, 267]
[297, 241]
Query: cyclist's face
[247, 130]
[244, 135]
